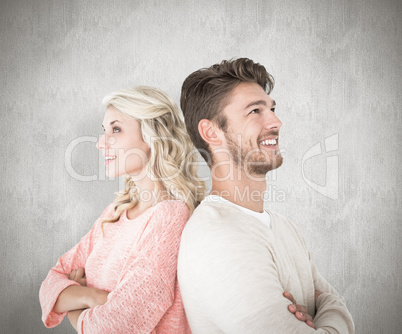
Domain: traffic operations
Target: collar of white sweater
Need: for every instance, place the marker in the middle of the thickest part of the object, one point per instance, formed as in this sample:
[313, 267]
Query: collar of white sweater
[261, 216]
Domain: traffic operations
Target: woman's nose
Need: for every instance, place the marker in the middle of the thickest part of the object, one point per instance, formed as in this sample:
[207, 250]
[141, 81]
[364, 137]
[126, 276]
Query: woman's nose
[102, 143]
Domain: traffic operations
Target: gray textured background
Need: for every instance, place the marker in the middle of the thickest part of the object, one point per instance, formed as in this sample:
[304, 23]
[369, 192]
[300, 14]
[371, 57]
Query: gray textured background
[337, 66]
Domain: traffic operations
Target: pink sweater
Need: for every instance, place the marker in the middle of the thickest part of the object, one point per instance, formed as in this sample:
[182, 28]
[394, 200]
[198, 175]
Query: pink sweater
[136, 262]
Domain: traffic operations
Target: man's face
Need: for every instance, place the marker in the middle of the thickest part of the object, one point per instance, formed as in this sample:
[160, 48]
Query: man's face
[252, 130]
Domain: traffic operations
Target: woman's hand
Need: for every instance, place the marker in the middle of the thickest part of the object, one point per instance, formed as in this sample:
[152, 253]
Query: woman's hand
[78, 276]
[76, 297]
[299, 311]
[73, 317]
[95, 297]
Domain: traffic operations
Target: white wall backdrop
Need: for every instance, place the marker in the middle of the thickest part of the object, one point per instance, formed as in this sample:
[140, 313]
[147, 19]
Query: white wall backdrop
[337, 66]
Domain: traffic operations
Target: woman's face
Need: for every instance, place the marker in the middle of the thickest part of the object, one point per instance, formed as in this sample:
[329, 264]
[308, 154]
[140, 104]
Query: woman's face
[122, 145]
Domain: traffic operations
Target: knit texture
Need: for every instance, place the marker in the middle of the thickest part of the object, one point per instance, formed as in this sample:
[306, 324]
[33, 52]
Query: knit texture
[135, 260]
[233, 270]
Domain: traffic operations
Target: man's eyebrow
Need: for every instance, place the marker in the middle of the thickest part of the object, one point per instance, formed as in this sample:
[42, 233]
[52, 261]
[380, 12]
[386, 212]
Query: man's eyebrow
[259, 103]
[111, 123]
[256, 103]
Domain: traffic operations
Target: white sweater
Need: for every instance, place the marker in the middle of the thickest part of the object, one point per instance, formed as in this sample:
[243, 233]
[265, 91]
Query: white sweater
[233, 270]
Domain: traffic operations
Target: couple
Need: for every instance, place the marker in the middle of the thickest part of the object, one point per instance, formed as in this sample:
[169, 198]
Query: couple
[240, 269]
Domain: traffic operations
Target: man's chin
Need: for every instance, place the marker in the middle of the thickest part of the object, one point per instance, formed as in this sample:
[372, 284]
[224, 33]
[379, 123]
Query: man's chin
[277, 162]
[260, 169]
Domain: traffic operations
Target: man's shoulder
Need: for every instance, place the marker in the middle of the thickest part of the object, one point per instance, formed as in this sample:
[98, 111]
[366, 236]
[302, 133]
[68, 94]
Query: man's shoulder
[212, 210]
[216, 236]
[214, 216]
[215, 224]
[282, 224]
[222, 215]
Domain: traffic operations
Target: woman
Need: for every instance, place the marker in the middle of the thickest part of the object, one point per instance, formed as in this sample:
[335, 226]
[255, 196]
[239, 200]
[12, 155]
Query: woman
[121, 277]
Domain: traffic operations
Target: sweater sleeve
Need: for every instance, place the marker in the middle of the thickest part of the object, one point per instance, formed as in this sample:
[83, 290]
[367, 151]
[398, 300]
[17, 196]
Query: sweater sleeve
[146, 286]
[332, 313]
[57, 278]
[232, 279]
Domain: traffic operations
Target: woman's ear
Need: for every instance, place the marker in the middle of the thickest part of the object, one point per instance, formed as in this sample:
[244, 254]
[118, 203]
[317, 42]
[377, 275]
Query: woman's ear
[210, 132]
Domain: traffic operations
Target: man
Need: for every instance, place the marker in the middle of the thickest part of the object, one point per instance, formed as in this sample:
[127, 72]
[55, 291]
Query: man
[240, 266]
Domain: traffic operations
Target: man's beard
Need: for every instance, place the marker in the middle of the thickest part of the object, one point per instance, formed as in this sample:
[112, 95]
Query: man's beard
[258, 162]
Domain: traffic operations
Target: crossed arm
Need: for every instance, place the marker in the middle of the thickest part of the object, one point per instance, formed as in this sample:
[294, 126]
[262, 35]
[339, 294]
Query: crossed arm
[76, 298]
[300, 311]
[148, 273]
[236, 286]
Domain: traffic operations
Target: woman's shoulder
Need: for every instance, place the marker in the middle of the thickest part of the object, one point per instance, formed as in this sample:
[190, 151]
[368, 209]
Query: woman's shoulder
[171, 211]
[108, 211]
[171, 207]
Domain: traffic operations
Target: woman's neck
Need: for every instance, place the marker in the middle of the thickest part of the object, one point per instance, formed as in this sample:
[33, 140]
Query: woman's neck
[148, 194]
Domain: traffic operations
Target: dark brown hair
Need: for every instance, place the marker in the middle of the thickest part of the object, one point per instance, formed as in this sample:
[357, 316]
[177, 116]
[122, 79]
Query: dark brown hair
[206, 92]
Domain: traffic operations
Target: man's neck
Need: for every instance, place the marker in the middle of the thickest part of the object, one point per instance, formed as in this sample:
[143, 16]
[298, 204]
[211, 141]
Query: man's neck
[242, 191]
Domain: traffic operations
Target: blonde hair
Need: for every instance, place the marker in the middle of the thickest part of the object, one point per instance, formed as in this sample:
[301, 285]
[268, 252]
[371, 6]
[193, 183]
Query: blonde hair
[173, 159]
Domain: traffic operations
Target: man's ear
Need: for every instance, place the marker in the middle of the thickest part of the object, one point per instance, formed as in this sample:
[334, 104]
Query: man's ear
[210, 132]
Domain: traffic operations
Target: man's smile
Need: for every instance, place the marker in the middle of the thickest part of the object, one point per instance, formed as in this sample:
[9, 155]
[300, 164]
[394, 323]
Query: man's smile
[268, 142]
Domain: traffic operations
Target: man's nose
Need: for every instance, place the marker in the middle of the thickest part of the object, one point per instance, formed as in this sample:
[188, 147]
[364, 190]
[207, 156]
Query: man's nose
[271, 121]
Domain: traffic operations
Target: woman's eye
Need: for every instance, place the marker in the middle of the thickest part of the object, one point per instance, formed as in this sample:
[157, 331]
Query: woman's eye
[116, 129]
[273, 109]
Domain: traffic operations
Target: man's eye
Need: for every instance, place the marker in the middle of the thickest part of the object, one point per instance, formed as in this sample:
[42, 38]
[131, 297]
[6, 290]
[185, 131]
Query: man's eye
[254, 111]
[273, 109]
[116, 129]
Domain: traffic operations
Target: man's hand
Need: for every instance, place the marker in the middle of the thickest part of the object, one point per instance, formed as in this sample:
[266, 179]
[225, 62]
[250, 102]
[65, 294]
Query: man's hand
[78, 276]
[299, 311]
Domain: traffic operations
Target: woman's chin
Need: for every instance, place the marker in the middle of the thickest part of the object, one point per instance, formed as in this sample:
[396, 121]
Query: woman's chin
[112, 174]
